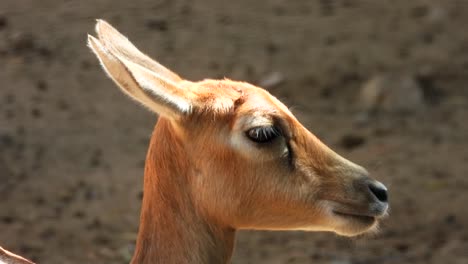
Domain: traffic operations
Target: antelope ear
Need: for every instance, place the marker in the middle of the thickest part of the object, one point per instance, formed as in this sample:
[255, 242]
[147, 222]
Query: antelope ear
[140, 77]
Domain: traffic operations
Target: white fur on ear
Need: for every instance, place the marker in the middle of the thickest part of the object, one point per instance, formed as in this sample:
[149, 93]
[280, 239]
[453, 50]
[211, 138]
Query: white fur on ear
[138, 76]
[157, 87]
[118, 44]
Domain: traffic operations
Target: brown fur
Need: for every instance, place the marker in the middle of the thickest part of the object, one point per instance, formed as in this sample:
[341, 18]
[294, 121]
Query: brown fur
[171, 227]
[205, 179]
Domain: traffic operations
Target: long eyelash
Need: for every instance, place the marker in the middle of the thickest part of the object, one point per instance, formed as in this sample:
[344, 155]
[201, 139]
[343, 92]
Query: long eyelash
[273, 130]
[265, 133]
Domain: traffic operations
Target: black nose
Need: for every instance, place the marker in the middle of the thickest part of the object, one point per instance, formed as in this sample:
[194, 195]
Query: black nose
[379, 191]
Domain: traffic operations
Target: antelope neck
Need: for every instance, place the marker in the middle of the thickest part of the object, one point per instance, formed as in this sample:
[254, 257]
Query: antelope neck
[172, 230]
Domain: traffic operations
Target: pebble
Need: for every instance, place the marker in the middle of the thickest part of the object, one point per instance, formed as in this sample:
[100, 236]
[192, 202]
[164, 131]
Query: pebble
[271, 80]
[391, 92]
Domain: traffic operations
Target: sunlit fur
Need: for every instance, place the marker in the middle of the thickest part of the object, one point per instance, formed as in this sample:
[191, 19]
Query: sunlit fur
[7, 257]
[205, 179]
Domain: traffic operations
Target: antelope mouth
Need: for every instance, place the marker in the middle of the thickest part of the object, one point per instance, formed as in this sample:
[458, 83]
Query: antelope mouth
[348, 220]
[365, 218]
[367, 213]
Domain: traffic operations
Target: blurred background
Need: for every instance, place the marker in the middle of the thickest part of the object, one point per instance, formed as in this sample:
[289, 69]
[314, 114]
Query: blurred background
[382, 82]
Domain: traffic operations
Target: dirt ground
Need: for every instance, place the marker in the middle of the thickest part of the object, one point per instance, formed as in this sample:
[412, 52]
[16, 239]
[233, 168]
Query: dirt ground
[72, 147]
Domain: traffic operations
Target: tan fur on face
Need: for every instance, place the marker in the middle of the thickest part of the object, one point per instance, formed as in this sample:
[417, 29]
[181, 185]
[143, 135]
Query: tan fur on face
[205, 178]
[247, 187]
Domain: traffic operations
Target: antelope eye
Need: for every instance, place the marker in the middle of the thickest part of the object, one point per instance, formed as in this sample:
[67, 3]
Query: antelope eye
[263, 134]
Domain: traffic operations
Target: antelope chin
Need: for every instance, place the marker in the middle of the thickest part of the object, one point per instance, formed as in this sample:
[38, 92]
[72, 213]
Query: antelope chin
[354, 224]
[353, 220]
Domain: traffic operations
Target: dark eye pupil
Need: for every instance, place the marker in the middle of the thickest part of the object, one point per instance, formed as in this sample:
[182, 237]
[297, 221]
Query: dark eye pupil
[263, 134]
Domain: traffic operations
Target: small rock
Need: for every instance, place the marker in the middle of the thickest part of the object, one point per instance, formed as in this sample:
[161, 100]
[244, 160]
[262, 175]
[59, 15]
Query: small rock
[9, 98]
[271, 80]
[47, 233]
[79, 214]
[437, 15]
[391, 92]
[22, 42]
[352, 141]
[105, 251]
[402, 247]
[36, 113]
[6, 140]
[272, 48]
[39, 201]
[419, 11]
[94, 224]
[7, 219]
[157, 24]
[3, 22]
[102, 239]
[41, 85]
[450, 219]
[90, 194]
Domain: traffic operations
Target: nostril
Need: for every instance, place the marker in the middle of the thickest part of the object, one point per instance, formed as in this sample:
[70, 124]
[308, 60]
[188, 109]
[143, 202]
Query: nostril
[379, 191]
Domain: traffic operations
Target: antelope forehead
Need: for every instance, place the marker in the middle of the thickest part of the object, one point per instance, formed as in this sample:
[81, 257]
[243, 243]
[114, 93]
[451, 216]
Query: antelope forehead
[262, 99]
[256, 119]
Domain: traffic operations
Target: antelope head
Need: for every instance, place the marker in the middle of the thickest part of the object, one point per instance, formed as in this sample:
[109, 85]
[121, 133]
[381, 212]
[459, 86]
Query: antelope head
[248, 163]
